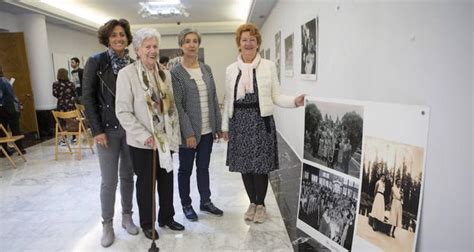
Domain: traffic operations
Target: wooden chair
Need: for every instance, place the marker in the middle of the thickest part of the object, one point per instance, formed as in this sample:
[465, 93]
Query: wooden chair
[10, 140]
[82, 111]
[62, 133]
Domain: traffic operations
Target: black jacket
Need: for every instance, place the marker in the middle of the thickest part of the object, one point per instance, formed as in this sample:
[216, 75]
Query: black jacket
[98, 94]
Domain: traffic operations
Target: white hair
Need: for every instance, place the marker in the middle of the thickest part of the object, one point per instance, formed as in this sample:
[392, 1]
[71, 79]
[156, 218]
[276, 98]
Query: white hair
[144, 34]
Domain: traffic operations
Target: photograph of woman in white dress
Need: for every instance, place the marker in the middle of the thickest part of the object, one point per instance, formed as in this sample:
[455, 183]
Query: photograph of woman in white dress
[378, 207]
[396, 209]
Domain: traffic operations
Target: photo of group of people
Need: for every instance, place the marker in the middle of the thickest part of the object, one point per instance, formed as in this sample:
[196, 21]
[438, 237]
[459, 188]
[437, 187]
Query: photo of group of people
[328, 204]
[391, 193]
[333, 136]
[309, 33]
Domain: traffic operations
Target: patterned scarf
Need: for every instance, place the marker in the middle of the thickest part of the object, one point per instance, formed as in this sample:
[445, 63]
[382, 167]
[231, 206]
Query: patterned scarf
[162, 112]
[117, 61]
[245, 85]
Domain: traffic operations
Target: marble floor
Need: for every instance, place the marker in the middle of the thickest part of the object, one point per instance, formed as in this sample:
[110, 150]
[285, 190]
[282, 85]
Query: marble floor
[48, 205]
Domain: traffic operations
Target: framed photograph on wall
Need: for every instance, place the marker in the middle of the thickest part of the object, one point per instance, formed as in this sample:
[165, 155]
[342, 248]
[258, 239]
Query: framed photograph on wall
[278, 53]
[309, 49]
[289, 55]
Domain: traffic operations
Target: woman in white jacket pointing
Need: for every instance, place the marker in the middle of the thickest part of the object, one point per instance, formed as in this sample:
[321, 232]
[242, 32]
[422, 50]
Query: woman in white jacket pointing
[251, 90]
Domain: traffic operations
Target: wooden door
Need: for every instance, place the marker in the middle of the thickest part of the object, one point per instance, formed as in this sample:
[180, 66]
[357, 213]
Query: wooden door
[15, 65]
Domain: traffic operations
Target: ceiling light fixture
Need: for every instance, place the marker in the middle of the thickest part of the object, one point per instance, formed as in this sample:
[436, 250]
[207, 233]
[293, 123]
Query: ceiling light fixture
[162, 9]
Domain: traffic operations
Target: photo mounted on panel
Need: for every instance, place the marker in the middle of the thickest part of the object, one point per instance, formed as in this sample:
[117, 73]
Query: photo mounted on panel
[391, 194]
[278, 53]
[309, 49]
[327, 207]
[333, 135]
[289, 55]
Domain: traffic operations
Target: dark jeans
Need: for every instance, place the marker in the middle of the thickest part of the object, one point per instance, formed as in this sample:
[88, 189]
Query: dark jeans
[186, 162]
[142, 162]
[256, 186]
[12, 121]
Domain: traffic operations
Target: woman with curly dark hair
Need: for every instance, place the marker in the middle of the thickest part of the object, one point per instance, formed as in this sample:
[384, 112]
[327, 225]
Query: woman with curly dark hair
[99, 85]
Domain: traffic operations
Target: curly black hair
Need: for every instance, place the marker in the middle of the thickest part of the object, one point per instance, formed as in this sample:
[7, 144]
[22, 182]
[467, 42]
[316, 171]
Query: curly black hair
[105, 31]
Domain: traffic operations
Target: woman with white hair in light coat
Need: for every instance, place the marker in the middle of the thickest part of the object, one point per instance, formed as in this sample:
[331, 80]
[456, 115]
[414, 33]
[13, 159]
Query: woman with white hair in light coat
[146, 109]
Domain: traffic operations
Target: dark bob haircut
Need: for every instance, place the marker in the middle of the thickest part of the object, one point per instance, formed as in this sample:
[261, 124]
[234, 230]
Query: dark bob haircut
[106, 30]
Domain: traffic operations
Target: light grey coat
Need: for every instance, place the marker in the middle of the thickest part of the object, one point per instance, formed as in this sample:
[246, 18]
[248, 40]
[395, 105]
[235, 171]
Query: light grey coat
[186, 96]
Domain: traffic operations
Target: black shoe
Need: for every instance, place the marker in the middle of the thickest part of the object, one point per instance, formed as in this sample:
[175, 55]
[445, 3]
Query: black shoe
[173, 225]
[209, 207]
[148, 234]
[189, 213]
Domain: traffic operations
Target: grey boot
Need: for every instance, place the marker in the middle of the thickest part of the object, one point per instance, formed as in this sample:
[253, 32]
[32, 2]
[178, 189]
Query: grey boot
[127, 223]
[108, 235]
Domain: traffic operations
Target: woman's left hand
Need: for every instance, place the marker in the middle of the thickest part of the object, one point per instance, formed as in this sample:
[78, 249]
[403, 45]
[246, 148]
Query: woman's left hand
[299, 101]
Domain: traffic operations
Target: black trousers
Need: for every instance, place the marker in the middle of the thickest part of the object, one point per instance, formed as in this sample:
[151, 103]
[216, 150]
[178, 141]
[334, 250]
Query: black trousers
[256, 186]
[142, 164]
[12, 121]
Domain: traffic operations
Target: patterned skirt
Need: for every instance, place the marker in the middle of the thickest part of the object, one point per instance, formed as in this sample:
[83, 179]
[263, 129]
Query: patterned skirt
[252, 144]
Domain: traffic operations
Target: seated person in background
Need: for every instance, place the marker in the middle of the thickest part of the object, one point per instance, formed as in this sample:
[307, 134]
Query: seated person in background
[65, 91]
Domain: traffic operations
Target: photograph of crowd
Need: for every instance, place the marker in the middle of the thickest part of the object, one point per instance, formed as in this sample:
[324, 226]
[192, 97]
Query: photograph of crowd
[289, 55]
[278, 53]
[333, 136]
[328, 204]
[391, 194]
[309, 40]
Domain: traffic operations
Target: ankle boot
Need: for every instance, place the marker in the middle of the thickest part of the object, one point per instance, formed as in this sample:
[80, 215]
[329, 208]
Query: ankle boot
[127, 224]
[108, 235]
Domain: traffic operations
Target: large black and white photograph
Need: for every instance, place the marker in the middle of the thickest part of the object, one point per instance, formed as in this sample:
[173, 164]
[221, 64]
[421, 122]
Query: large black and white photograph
[333, 135]
[328, 204]
[278, 53]
[391, 194]
[309, 52]
[289, 55]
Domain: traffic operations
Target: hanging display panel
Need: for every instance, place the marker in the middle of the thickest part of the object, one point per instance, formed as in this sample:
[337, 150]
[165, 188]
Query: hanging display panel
[391, 160]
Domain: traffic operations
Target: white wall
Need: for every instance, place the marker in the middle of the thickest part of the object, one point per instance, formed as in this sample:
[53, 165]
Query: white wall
[417, 52]
[67, 41]
[8, 22]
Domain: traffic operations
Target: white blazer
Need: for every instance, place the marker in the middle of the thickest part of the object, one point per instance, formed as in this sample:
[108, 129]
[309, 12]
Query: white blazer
[268, 91]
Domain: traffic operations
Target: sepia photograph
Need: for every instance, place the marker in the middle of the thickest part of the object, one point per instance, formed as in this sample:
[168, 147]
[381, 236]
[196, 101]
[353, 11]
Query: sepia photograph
[309, 52]
[333, 136]
[289, 55]
[328, 204]
[278, 53]
[391, 194]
